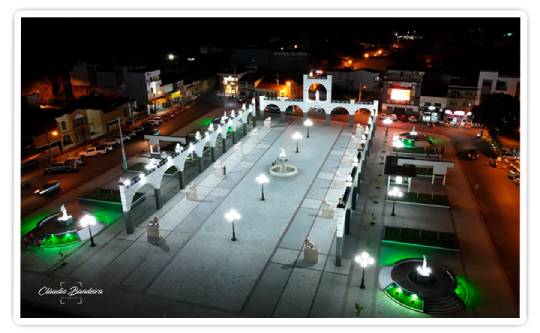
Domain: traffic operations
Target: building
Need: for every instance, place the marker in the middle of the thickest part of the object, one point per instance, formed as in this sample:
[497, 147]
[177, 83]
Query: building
[228, 81]
[360, 82]
[92, 79]
[490, 82]
[91, 117]
[401, 91]
[269, 85]
[143, 86]
[461, 95]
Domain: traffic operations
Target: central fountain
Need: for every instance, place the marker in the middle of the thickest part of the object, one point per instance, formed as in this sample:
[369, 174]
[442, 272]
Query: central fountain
[281, 168]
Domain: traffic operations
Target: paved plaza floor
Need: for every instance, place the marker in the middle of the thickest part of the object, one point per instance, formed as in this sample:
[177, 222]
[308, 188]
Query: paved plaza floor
[197, 271]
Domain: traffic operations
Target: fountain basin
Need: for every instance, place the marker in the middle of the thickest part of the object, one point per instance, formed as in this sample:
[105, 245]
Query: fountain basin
[290, 170]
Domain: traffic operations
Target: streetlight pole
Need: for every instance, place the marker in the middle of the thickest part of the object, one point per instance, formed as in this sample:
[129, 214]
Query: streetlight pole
[364, 260]
[233, 233]
[232, 216]
[124, 160]
[297, 136]
[262, 179]
[394, 207]
[92, 244]
[262, 192]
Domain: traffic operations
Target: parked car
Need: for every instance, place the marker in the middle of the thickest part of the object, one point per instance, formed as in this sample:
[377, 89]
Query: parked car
[383, 116]
[272, 109]
[61, 168]
[49, 188]
[138, 130]
[469, 154]
[111, 141]
[154, 123]
[393, 116]
[94, 151]
[158, 119]
[403, 118]
[78, 161]
[413, 119]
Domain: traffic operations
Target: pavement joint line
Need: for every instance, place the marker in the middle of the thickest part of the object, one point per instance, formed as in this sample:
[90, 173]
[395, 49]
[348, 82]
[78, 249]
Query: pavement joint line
[196, 230]
[283, 235]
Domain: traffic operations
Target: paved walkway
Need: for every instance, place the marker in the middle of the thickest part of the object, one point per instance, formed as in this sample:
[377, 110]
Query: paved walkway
[197, 271]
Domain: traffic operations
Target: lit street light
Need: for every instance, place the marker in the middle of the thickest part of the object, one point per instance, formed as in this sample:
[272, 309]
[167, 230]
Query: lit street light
[364, 260]
[262, 179]
[170, 56]
[86, 221]
[308, 123]
[297, 136]
[54, 134]
[232, 216]
[395, 193]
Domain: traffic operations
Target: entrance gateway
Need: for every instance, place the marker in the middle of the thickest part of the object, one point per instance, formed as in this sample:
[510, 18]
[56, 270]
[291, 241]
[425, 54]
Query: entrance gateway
[327, 105]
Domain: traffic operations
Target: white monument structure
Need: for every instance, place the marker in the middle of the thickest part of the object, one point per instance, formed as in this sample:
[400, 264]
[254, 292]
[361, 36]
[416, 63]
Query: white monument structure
[327, 105]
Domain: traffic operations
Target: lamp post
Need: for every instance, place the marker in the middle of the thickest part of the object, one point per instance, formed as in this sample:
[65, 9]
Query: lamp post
[398, 145]
[262, 179]
[395, 193]
[308, 123]
[387, 121]
[86, 221]
[364, 260]
[232, 216]
[53, 133]
[297, 136]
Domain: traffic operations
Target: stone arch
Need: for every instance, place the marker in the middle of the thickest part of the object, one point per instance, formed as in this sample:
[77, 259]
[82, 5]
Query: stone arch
[272, 108]
[320, 88]
[294, 109]
[361, 115]
[339, 113]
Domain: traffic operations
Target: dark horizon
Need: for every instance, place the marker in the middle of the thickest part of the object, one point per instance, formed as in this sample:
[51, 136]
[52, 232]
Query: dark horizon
[50, 45]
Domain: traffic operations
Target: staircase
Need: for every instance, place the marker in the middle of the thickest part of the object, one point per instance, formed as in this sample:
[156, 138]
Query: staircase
[443, 305]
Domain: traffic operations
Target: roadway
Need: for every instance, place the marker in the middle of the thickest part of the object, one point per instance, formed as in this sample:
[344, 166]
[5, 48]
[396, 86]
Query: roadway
[97, 166]
[497, 196]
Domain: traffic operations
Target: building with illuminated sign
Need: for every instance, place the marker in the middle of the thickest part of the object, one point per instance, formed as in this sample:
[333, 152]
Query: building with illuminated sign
[228, 81]
[401, 91]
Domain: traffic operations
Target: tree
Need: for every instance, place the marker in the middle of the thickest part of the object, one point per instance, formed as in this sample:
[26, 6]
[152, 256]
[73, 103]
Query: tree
[499, 112]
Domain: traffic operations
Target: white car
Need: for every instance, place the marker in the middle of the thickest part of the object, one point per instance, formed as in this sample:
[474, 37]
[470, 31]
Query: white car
[413, 119]
[94, 151]
[393, 116]
[111, 141]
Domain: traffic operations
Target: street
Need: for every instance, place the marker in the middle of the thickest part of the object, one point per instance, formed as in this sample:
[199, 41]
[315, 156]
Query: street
[97, 166]
[500, 212]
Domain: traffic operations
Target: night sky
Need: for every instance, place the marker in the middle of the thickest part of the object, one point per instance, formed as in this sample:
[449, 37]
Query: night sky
[50, 45]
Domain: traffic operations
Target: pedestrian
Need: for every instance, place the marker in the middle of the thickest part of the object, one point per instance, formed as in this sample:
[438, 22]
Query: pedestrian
[442, 151]
[386, 132]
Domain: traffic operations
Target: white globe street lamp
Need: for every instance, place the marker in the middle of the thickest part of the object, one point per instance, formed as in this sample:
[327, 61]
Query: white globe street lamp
[364, 260]
[308, 123]
[262, 179]
[86, 221]
[232, 216]
[387, 121]
[395, 193]
[297, 136]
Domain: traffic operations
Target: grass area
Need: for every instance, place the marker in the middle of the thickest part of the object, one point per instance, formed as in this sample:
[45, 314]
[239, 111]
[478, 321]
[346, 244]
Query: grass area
[424, 198]
[30, 222]
[421, 237]
[410, 301]
[107, 195]
[141, 167]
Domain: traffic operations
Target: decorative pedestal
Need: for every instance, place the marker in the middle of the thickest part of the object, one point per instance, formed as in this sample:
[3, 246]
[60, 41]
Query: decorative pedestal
[327, 210]
[153, 230]
[268, 122]
[219, 168]
[311, 253]
[191, 193]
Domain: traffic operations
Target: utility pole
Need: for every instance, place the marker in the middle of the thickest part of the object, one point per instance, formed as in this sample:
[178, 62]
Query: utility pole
[124, 161]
